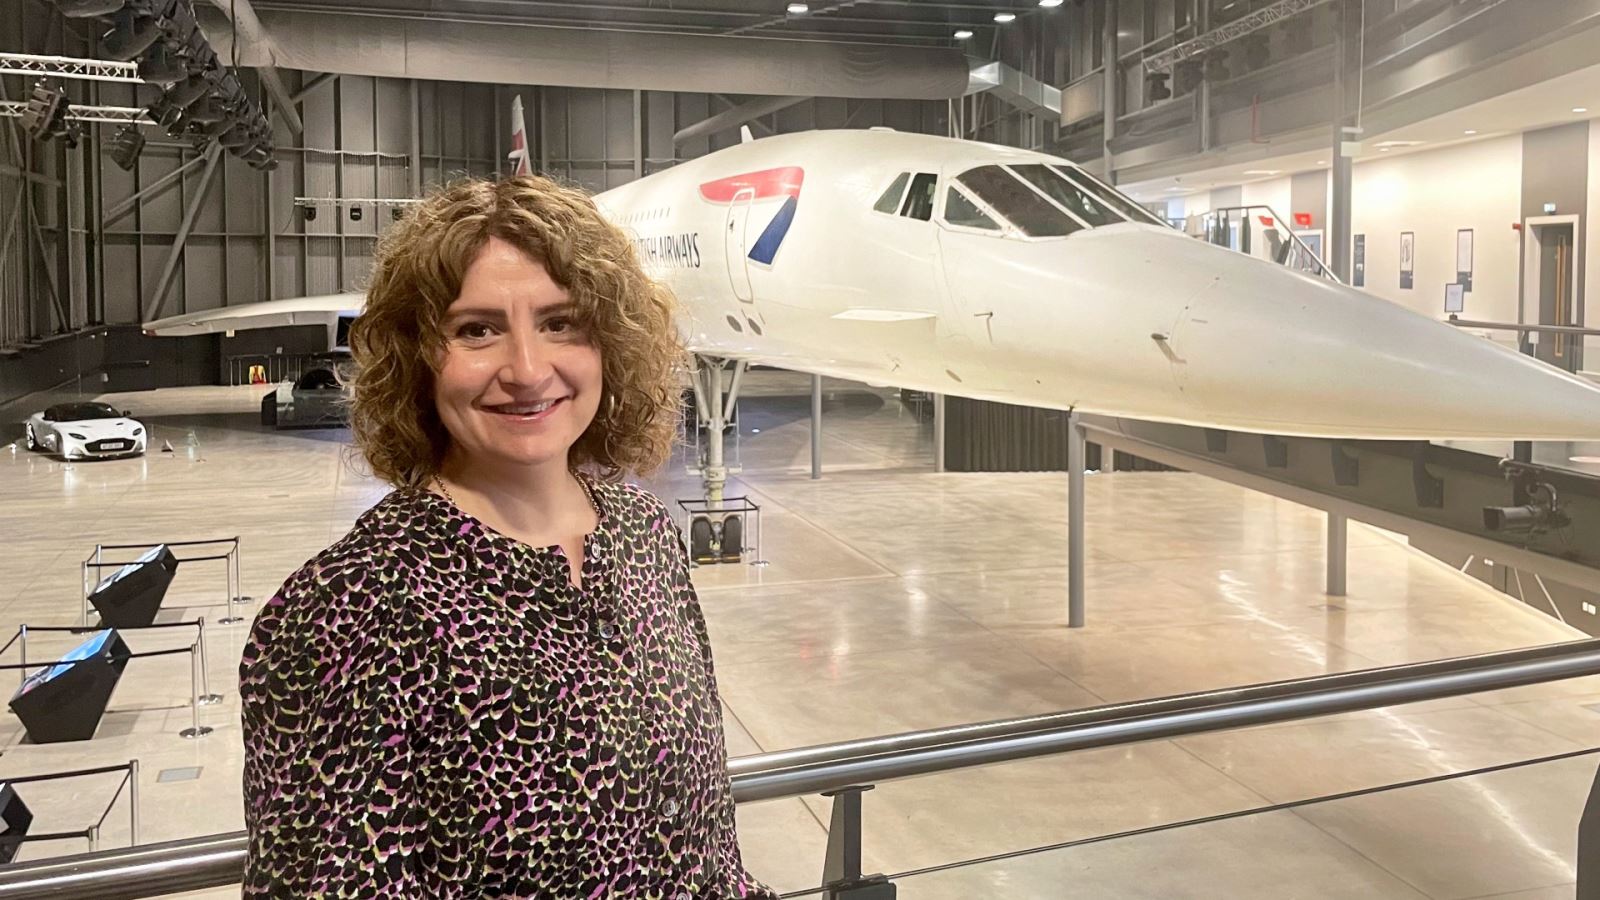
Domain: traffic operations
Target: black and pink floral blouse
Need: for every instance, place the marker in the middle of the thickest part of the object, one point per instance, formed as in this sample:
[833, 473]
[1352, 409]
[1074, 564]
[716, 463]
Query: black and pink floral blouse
[432, 710]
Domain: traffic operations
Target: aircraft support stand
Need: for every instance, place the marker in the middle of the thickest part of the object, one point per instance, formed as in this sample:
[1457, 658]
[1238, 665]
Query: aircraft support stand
[816, 427]
[1076, 445]
[1338, 547]
[714, 413]
[938, 432]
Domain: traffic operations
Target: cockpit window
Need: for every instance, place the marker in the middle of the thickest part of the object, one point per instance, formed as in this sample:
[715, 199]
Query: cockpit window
[919, 200]
[890, 201]
[1072, 198]
[1019, 204]
[959, 210]
[1109, 196]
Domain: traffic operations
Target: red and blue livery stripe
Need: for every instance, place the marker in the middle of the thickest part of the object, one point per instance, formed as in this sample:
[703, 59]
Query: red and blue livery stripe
[767, 184]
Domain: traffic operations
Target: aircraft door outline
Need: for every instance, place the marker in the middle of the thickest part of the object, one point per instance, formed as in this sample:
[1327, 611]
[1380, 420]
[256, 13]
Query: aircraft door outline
[735, 241]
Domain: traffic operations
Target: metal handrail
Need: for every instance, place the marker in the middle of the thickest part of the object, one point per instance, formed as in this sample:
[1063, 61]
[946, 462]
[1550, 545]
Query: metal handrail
[218, 860]
[1521, 328]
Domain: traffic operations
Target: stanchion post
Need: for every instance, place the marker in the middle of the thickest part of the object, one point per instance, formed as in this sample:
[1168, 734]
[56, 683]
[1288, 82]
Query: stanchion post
[133, 803]
[93, 834]
[84, 571]
[196, 730]
[232, 576]
[206, 698]
[23, 672]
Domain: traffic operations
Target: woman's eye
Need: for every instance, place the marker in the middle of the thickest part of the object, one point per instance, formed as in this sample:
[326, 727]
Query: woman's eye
[474, 331]
[559, 326]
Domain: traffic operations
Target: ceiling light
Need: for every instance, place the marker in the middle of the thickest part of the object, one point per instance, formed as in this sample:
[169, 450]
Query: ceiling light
[1264, 172]
[1383, 149]
[1577, 109]
[1470, 131]
[798, 9]
[1049, 4]
[1004, 17]
[1386, 144]
[1586, 460]
[963, 34]
[1322, 162]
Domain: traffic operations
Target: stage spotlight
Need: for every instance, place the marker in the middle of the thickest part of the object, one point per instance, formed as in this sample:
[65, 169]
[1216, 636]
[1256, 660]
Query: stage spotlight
[45, 116]
[207, 111]
[130, 35]
[1186, 76]
[184, 94]
[126, 145]
[87, 9]
[1155, 87]
[162, 66]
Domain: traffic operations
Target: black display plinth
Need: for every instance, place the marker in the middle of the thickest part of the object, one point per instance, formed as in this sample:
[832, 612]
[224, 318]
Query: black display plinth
[64, 702]
[15, 818]
[132, 596]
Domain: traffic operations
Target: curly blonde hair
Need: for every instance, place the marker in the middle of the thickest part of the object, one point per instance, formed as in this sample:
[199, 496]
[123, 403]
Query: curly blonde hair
[417, 274]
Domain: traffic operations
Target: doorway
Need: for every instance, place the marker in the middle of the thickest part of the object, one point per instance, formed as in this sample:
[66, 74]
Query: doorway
[1550, 288]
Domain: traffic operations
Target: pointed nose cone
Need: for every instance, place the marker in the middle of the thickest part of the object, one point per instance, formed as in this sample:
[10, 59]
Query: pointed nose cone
[1273, 350]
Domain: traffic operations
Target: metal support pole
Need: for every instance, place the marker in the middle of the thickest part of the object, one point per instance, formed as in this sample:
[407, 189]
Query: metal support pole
[816, 427]
[1338, 545]
[233, 587]
[126, 205]
[1076, 445]
[841, 872]
[1346, 80]
[196, 729]
[716, 474]
[1112, 90]
[938, 432]
[94, 838]
[22, 673]
[133, 803]
[206, 698]
[641, 142]
[416, 139]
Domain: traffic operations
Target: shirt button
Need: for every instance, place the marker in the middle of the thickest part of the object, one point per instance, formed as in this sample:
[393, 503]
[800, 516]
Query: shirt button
[607, 631]
[670, 808]
[682, 895]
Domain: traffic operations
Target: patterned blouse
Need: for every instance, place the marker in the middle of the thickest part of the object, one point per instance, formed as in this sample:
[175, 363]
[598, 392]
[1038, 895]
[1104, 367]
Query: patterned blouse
[432, 710]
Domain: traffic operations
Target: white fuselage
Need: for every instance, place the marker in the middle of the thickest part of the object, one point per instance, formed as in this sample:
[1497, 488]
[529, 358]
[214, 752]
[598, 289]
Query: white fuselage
[1131, 319]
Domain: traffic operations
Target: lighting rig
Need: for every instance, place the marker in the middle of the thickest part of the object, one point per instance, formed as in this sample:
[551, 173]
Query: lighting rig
[201, 101]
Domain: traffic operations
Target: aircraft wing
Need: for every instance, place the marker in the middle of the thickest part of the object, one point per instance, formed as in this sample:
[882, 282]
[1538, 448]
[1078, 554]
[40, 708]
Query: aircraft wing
[323, 310]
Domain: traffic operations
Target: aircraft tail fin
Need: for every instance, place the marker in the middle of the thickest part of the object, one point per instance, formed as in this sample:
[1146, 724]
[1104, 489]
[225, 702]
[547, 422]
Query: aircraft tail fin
[520, 164]
[745, 136]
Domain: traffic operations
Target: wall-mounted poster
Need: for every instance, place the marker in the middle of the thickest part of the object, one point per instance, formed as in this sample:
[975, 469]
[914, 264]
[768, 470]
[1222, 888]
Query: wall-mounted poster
[1358, 266]
[1455, 298]
[1408, 259]
[1464, 259]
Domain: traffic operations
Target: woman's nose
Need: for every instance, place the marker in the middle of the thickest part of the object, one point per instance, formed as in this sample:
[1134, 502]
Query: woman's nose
[526, 361]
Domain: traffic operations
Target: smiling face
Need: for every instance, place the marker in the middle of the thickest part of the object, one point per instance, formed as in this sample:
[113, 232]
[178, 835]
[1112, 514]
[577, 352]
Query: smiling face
[518, 381]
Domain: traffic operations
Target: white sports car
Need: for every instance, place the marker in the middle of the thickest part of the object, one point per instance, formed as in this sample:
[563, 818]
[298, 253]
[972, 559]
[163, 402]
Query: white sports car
[84, 431]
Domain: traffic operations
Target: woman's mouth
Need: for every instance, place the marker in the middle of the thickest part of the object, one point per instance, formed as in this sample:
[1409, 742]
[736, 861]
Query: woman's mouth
[526, 412]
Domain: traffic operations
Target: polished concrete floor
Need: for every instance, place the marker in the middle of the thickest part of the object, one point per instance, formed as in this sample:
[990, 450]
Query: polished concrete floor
[896, 599]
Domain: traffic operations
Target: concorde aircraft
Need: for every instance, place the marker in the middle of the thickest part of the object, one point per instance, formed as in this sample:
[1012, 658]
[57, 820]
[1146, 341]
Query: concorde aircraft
[1004, 274]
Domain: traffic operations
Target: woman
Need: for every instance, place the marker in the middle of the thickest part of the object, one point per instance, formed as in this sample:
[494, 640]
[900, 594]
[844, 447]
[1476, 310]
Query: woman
[498, 683]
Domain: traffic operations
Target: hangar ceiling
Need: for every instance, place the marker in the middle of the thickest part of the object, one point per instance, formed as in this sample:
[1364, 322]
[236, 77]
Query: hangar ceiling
[906, 22]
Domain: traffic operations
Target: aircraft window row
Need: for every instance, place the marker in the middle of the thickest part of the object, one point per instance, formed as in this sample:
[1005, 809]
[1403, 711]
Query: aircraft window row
[961, 211]
[1025, 208]
[919, 198]
[646, 215]
[1109, 196]
[1068, 195]
[915, 202]
[890, 201]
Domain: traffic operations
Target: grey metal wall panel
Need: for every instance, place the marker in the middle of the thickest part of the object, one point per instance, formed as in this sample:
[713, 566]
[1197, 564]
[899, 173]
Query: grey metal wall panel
[619, 125]
[393, 99]
[122, 278]
[205, 274]
[245, 280]
[242, 201]
[357, 112]
[586, 124]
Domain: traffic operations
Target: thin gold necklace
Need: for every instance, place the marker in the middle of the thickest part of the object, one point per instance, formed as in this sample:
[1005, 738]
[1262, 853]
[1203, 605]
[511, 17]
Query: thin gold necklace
[588, 493]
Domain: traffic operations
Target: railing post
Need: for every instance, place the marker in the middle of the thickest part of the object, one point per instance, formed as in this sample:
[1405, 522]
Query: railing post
[206, 698]
[133, 803]
[841, 873]
[1589, 845]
